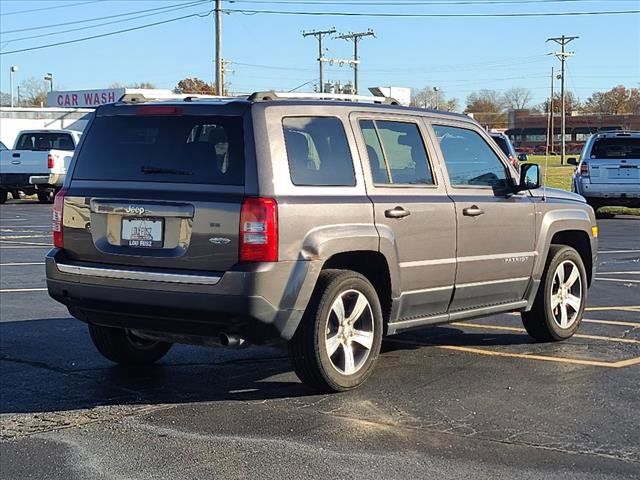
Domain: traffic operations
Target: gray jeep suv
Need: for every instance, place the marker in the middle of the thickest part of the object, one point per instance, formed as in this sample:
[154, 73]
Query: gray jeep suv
[319, 223]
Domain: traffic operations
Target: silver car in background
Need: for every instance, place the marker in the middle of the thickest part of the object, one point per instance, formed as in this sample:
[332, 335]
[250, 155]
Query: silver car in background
[608, 171]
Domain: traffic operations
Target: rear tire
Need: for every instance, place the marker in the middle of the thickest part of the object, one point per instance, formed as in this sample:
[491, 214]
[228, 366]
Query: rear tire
[46, 196]
[338, 340]
[562, 295]
[3, 196]
[121, 346]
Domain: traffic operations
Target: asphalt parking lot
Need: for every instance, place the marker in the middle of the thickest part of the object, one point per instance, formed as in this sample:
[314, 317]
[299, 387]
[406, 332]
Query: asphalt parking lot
[476, 399]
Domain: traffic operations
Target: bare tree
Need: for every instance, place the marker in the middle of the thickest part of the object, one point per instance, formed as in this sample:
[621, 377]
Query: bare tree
[33, 92]
[133, 85]
[428, 98]
[572, 103]
[618, 100]
[195, 85]
[517, 98]
[487, 107]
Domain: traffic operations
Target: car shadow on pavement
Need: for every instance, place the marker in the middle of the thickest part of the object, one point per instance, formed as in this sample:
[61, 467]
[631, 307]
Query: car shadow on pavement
[51, 365]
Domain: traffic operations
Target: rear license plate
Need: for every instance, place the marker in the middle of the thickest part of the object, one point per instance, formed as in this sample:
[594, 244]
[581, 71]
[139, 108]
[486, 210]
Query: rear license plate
[143, 232]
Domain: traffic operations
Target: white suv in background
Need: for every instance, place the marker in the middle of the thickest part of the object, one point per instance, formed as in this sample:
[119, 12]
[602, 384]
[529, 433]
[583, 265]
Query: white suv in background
[608, 171]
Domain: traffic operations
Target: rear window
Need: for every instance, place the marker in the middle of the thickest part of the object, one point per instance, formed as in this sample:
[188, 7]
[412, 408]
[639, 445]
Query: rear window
[616, 148]
[179, 149]
[44, 141]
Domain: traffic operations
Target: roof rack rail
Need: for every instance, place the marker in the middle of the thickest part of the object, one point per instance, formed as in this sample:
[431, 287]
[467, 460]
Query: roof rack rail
[141, 97]
[272, 95]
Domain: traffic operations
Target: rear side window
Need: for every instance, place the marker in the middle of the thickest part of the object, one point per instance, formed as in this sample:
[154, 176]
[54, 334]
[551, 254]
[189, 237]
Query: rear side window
[318, 151]
[616, 148]
[396, 153]
[180, 149]
[469, 159]
[44, 141]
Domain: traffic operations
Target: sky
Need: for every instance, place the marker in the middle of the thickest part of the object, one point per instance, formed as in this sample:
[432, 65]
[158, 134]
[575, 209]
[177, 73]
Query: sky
[267, 51]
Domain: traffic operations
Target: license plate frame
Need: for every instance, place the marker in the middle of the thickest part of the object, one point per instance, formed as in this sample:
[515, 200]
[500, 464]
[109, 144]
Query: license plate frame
[149, 233]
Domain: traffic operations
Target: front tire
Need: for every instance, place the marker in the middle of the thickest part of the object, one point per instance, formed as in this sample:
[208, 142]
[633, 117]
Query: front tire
[338, 340]
[562, 295]
[122, 346]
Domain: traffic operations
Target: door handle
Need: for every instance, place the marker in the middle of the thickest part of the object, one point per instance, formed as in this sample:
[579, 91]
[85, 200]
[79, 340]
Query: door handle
[397, 212]
[472, 211]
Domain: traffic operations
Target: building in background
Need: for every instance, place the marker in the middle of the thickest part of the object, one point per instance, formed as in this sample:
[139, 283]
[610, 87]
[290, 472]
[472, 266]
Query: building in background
[528, 131]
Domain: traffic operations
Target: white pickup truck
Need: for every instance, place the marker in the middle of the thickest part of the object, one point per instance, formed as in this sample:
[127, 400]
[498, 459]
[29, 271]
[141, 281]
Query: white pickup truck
[37, 164]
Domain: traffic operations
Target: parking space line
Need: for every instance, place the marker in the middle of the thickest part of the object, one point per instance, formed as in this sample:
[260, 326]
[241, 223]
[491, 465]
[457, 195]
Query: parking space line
[9, 247]
[614, 322]
[622, 308]
[20, 264]
[16, 242]
[575, 361]
[515, 329]
[620, 280]
[619, 273]
[20, 290]
[618, 251]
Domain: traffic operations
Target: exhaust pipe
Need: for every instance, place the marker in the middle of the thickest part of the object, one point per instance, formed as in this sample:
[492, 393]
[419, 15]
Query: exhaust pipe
[232, 341]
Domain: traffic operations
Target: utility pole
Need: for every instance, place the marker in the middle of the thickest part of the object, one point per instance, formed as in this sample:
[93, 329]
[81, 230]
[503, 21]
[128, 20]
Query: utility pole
[356, 37]
[550, 127]
[319, 34]
[219, 65]
[562, 55]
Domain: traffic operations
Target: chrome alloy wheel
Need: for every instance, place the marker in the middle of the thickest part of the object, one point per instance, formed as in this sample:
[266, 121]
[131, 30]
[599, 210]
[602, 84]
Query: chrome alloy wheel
[566, 294]
[349, 332]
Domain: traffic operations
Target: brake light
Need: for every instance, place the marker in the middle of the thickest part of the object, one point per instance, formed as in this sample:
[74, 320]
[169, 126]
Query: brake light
[258, 230]
[158, 110]
[58, 206]
[50, 161]
[584, 169]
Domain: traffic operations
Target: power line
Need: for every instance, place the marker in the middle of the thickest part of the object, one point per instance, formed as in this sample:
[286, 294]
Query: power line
[418, 2]
[136, 17]
[48, 8]
[140, 27]
[425, 15]
[118, 15]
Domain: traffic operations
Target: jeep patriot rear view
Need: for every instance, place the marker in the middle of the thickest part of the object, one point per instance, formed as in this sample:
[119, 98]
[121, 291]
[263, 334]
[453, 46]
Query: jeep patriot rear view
[322, 224]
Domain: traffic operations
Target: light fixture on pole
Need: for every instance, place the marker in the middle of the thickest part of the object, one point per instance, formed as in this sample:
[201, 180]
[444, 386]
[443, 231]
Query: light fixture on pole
[436, 89]
[13, 69]
[49, 78]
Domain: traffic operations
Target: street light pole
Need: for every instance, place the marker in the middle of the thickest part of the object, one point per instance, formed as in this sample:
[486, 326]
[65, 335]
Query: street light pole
[12, 70]
[436, 89]
[49, 78]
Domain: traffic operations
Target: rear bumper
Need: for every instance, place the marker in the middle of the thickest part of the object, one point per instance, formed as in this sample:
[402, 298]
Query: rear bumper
[53, 180]
[16, 181]
[624, 193]
[254, 302]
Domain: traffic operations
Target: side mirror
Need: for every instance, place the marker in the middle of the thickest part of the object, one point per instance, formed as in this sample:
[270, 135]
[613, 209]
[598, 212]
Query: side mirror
[523, 157]
[529, 177]
[572, 161]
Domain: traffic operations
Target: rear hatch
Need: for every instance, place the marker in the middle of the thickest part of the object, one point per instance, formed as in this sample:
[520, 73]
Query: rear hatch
[615, 159]
[158, 186]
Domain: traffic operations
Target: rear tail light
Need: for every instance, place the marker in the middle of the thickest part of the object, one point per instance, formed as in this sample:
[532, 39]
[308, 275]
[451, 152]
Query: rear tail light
[584, 169]
[50, 161]
[259, 230]
[58, 206]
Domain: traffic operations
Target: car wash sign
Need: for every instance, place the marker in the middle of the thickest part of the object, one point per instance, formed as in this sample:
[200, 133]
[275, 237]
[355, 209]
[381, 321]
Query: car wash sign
[84, 98]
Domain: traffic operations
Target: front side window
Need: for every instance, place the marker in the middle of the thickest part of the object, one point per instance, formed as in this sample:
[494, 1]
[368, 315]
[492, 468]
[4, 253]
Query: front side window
[469, 159]
[396, 153]
[318, 151]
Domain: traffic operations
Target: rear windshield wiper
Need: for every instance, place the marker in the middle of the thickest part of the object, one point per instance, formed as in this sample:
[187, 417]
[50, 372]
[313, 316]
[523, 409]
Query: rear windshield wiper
[167, 171]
